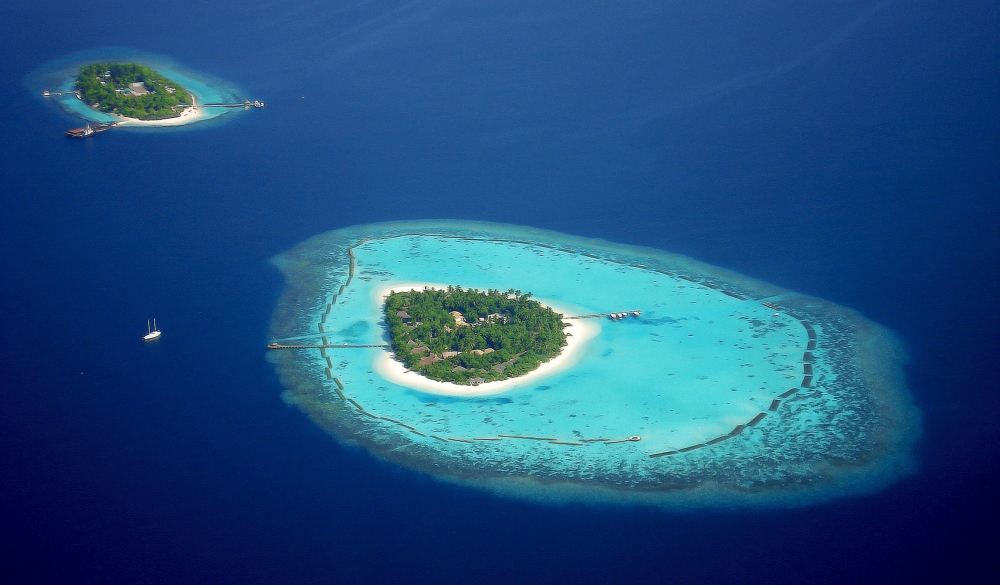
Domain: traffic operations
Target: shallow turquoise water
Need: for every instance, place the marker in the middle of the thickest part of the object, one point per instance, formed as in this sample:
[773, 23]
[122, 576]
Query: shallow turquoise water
[59, 75]
[715, 387]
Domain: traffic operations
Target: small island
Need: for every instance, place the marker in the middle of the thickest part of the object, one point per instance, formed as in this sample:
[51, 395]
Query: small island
[131, 90]
[472, 337]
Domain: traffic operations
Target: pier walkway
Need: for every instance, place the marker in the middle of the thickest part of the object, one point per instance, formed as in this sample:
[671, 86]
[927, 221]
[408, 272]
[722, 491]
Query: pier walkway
[277, 345]
[245, 105]
[612, 316]
[325, 346]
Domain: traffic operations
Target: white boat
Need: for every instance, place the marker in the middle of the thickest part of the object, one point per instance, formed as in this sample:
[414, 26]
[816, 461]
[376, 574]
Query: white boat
[151, 333]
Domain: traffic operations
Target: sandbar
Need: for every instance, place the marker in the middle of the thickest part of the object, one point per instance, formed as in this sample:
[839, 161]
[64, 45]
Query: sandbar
[578, 332]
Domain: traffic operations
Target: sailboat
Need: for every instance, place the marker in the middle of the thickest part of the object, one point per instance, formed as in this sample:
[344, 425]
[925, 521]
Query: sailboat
[151, 333]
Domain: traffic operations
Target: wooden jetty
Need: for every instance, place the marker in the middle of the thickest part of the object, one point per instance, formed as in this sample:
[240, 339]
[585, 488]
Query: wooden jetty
[48, 93]
[612, 316]
[246, 105]
[326, 346]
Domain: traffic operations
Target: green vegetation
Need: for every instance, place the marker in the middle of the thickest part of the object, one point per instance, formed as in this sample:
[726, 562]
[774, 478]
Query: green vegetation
[121, 88]
[470, 337]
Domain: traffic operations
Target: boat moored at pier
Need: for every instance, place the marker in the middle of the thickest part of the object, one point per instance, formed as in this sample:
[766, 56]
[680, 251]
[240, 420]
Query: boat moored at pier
[90, 129]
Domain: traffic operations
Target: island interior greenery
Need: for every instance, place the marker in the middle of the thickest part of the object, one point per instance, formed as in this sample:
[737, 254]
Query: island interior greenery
[472, 337]
[131, 90]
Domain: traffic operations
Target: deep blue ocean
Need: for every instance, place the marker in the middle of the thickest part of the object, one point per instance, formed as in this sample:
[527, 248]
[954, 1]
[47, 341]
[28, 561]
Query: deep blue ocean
[845, 149]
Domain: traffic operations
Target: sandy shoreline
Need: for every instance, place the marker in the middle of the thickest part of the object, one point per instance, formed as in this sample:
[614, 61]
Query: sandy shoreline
[579, 331]
[188, 116]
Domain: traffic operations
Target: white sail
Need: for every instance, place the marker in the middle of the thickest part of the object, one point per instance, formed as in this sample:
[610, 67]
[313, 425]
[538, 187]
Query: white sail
[151, 334]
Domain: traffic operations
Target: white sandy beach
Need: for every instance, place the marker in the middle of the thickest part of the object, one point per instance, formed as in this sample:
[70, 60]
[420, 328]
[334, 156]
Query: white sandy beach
[188, 116]
[578, 332]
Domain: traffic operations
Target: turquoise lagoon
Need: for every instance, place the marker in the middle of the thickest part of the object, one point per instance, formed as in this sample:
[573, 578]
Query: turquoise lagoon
[724, 391]
[59, 75]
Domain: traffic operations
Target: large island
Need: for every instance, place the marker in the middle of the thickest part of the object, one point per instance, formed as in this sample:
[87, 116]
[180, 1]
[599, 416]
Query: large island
[471, 337]
[724, 390]
[131, 90]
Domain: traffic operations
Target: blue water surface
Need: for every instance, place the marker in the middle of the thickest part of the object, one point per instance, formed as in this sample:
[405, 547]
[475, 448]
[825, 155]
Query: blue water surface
[841, 149]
